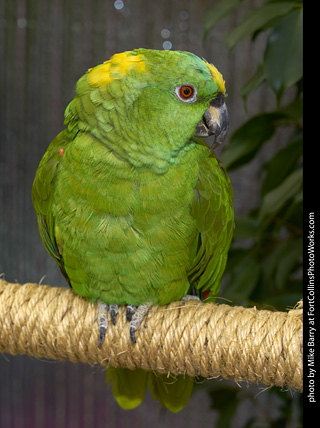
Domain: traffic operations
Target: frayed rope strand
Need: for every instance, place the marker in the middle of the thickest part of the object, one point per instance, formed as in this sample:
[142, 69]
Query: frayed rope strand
[194, 338]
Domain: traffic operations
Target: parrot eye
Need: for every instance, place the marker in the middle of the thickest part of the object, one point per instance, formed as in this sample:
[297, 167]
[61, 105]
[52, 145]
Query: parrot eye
[186, 93]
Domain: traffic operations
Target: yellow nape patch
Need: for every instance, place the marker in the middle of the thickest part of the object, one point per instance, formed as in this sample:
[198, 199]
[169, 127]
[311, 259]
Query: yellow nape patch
[100, 75]
[217, 77]
[123, 62]
[118, 65]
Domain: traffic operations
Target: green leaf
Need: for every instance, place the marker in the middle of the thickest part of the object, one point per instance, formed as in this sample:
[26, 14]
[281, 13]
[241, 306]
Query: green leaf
[253, 83]
[235, 257]
[294, 213]
[245, 227]
[285, 301]
[293, 111]
[281, 165]
[269, 264]
[225, 402]
[248, 139]
[243, 280]
[283, 55]
[220, 11]
[288, 260]
[259, 18]
[274, 200]
[280, 263]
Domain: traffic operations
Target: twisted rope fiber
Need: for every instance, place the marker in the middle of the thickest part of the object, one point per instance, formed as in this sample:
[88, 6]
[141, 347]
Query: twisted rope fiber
[192, 337]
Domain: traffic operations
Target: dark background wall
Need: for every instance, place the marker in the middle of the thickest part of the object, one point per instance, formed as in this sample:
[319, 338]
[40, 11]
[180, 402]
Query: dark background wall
[46, 45]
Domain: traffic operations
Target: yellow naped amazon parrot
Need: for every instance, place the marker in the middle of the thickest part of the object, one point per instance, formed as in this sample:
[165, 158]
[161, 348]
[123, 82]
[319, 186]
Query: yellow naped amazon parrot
[132, 205]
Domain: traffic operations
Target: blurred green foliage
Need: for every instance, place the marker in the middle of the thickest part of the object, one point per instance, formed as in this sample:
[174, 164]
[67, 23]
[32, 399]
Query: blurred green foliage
[265, 260]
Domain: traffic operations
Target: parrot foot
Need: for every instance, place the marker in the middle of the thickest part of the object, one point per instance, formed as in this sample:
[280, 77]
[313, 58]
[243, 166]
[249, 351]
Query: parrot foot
[114, 309]
[136, 319]
[102, 321]
[135, 315]
[189, 297]
[130, 311]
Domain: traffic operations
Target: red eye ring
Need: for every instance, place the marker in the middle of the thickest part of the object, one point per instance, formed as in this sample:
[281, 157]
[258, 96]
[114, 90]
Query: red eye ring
[186, 91]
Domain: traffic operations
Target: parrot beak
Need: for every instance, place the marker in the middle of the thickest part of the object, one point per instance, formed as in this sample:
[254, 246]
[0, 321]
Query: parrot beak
[214, 121]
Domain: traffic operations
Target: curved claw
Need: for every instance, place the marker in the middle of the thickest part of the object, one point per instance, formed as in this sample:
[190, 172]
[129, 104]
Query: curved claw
[133, 334]
[102, 335]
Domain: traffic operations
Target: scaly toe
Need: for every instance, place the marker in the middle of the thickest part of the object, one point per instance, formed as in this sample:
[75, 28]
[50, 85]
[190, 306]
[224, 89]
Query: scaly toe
[102, 313]
[130, 311]
[114, 309]
[189, 297]
[137, 319]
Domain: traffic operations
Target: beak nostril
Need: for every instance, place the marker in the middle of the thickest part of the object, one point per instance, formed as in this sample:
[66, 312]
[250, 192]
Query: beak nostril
[218, 101]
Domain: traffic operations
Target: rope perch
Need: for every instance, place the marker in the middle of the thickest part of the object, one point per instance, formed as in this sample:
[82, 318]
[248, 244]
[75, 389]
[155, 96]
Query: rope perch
[194, 338]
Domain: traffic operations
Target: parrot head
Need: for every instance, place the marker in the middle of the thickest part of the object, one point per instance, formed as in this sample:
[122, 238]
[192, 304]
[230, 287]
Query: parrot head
[147, 105]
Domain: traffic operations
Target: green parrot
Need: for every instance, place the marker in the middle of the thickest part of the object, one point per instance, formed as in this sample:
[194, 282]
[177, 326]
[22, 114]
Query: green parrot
[133, 206]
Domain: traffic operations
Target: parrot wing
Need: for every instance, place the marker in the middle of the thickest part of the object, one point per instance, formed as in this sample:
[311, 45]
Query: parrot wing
[42, 192]
[213, 212]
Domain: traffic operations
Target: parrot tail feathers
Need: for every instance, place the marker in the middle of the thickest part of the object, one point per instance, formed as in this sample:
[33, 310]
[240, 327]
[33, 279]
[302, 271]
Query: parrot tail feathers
[173, 392]
[129, 386]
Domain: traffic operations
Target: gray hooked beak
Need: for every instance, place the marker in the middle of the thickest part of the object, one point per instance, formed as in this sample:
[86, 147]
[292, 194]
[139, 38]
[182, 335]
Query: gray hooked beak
[214, 121]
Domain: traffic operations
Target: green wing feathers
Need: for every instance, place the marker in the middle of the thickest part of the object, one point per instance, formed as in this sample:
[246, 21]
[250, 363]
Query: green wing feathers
[42, 194]
[212, 208]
